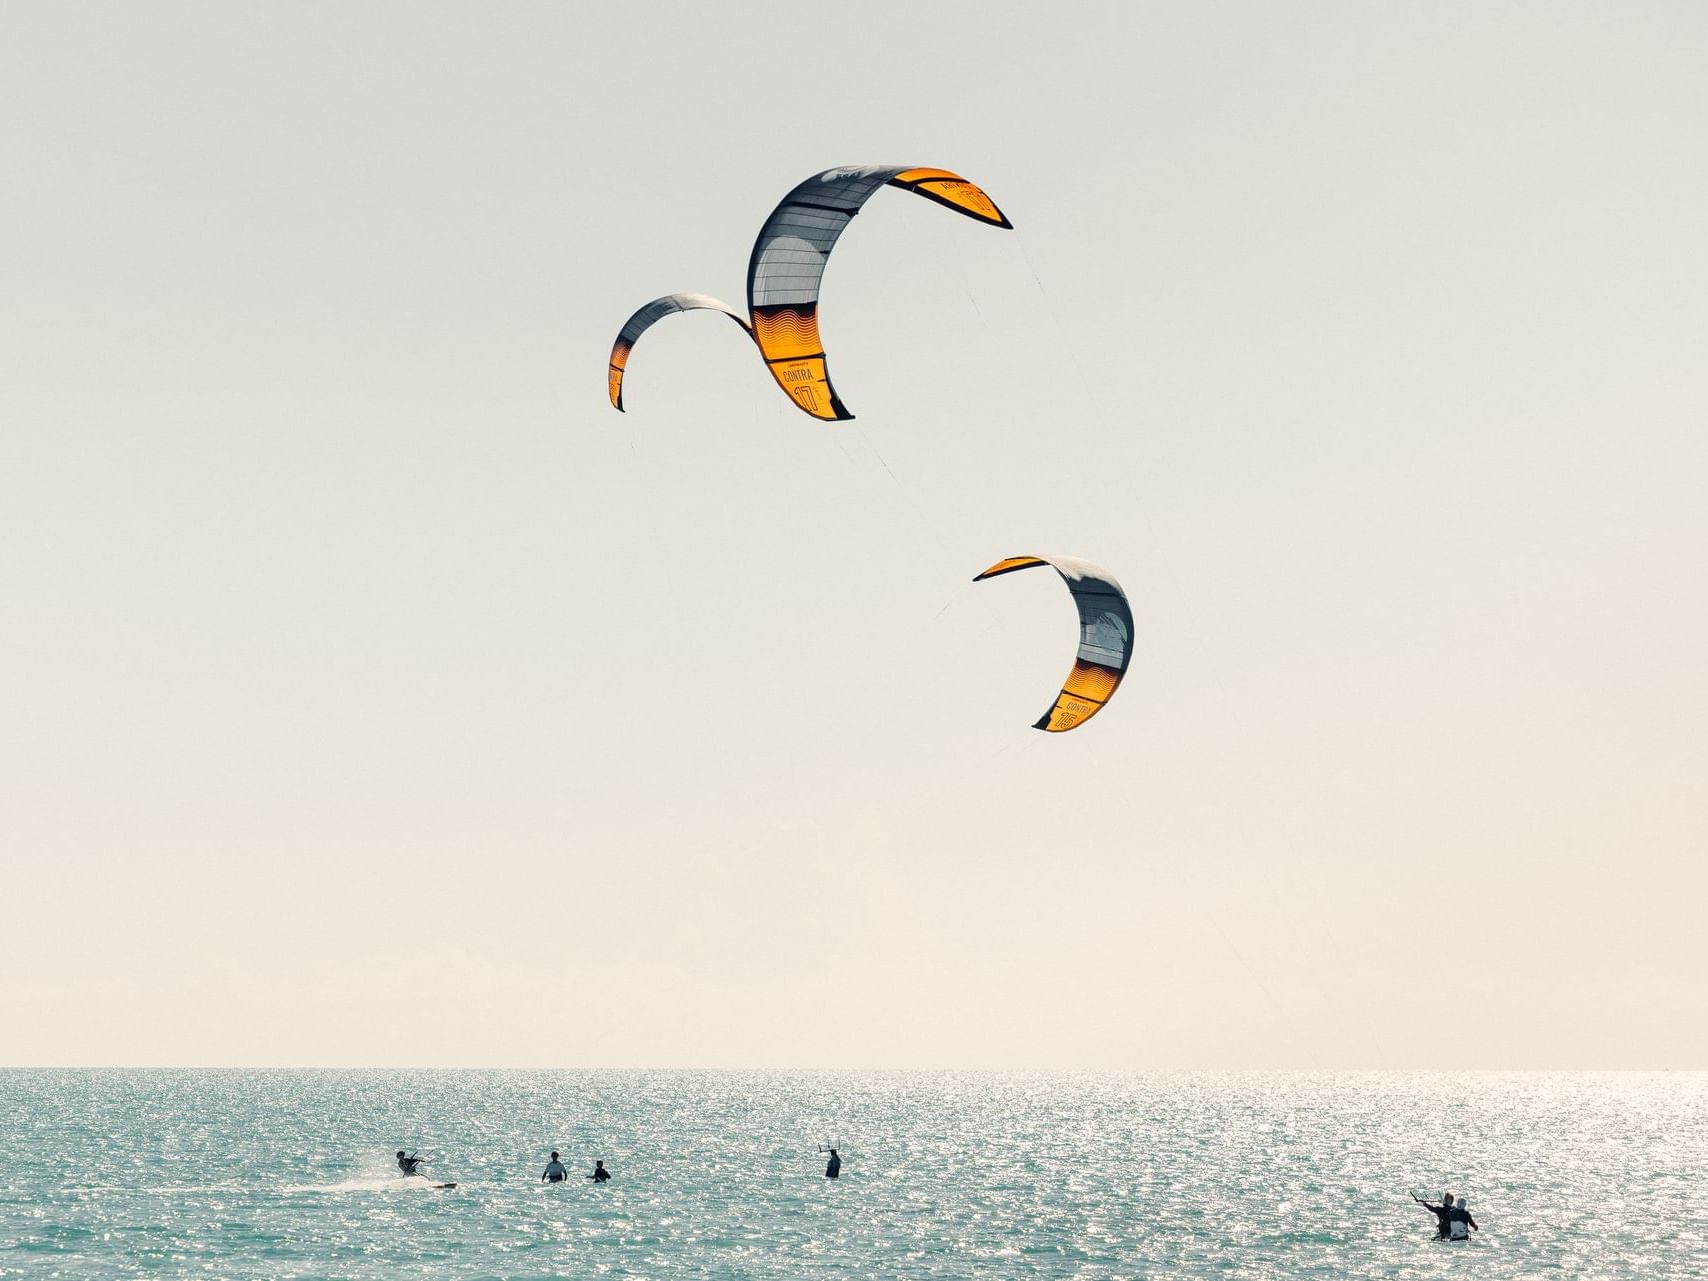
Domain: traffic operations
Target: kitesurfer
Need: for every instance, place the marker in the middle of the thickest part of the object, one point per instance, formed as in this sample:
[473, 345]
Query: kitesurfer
[600, 1173]
[410, 1164]
[1446, 1215]
[833, 1167]
[555, 1173]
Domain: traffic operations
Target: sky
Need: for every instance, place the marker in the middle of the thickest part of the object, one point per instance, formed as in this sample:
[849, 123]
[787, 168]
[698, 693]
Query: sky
[374, 694]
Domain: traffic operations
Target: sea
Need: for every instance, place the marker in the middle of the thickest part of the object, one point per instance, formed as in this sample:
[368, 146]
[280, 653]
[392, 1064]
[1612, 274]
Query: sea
[291, 1174]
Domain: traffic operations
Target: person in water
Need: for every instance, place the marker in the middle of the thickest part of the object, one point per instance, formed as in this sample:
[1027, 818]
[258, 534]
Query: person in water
[1446, 1215]
[600, 1173]
[410, 1165]
[833, 1167]
[555, 1173]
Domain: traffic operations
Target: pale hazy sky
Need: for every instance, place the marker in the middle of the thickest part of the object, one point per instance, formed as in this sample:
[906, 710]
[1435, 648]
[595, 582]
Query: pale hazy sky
[372, 693]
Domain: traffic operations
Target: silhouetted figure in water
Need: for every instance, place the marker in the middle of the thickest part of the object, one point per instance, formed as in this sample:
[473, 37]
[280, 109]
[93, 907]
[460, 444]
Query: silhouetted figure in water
[833, 1167]
[410, 1165]
[555, 1173]
[1446, 1215]
[600, 1173]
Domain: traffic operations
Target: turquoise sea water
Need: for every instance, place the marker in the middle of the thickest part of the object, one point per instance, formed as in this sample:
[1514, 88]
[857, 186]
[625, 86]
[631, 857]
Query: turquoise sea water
[288, 1174]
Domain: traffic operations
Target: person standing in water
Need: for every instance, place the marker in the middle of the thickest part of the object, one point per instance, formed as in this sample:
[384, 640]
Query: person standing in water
[833, 1167]
[555, 1173]
[1446, 1215]
[600, 1173]
[410, 1165]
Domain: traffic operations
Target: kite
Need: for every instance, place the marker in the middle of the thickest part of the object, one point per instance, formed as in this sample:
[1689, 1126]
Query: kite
[789, 258]
[645, 319]
[1105, 637]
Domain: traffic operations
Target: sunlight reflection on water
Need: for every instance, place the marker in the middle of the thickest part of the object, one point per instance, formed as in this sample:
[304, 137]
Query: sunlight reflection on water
[287, 1174]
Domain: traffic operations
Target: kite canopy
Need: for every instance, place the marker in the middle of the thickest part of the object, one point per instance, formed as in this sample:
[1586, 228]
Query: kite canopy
[1105, 637]
[644, 319]
[789, 257]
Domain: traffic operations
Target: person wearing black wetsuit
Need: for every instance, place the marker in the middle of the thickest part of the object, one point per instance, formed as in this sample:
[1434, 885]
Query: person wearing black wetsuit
[833, 1167]
[1446, 1214]
[410, 1165]
[600, 1173]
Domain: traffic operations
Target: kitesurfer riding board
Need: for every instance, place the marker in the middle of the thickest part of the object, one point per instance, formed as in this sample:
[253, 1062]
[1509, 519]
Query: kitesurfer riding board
[411, 1165]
